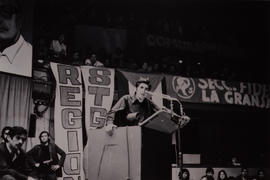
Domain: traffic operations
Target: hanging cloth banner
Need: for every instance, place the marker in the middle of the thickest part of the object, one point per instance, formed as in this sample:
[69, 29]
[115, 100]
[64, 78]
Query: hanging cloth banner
[68, 118]
[99, 92]
[214, 91]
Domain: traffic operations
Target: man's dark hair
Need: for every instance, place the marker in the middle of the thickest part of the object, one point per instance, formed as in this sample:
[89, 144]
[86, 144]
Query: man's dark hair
[4, 129]
[15, 4]
[143, 80]
[180, 174]
[44, 132]
[209, 170]
[17, 130]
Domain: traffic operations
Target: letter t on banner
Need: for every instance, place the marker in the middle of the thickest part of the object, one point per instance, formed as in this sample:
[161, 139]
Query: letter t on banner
[99, 91]
[68, 118]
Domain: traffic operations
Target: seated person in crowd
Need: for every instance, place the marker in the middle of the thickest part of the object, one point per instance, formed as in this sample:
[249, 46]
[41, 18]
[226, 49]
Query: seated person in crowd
[261, 175]
[44, 158]
[222, 175]
[92, 61]
[185, 175]
[209, 174]
[13, 159]
[243, 174]
[58, 48]
[4, 133]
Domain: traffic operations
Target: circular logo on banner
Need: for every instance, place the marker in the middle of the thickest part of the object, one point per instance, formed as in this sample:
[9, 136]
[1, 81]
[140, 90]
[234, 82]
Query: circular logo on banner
[183, 87]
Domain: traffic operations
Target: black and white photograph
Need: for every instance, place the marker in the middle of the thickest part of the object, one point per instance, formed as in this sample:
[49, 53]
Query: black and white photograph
[135, 90]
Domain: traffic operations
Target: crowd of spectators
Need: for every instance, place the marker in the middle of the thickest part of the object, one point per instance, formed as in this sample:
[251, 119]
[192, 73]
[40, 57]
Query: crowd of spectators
[170, 25]
[57, 50]
[222, 175]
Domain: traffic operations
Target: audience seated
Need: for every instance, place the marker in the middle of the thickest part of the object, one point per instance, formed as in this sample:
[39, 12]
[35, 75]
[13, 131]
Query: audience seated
[75, 58]
[209, 174]
[58, 48]
[13, 159]
[243, 174]
[92, 61]
[261, 175]
[222, 175]
[185, 175]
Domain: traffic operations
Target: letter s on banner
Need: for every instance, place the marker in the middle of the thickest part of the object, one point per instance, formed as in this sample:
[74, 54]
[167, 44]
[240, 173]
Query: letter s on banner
[99, 85]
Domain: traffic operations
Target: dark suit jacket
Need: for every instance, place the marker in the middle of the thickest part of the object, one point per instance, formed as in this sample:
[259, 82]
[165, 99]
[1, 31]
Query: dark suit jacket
[18, 168]
[35, 156]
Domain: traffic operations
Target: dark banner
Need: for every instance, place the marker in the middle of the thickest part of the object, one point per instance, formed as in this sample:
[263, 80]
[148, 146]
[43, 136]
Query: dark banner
[157, 41]
[97, 38]
[218, 91]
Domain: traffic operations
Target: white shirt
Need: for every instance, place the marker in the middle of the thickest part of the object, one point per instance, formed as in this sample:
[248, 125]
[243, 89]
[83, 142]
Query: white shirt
[57, 47]
[96, 64]
[17, 58]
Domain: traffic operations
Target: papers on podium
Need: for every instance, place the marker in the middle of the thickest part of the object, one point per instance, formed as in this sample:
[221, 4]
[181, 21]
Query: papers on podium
[160, 121]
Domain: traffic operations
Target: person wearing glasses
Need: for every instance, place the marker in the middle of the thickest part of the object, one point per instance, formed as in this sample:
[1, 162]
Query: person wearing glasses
[13, 159]
[15, 52]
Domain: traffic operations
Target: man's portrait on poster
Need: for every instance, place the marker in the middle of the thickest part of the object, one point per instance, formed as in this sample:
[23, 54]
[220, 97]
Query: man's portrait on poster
[15, 51]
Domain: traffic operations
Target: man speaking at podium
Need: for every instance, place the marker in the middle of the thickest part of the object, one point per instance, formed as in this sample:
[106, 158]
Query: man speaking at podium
[132, 109]
[135, 150]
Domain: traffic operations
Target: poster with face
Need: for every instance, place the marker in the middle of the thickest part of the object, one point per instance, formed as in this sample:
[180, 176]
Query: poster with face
[16, 37]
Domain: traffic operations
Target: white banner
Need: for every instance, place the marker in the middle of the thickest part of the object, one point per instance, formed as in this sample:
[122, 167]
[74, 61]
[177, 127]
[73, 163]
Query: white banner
[68, 118]
[99, 91]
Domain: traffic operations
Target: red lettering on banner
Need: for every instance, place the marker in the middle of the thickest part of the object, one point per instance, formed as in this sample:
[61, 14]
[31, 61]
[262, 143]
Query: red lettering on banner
[72, 137]
[98, 122]
[66, 73]
[99, 79]
[72, 164]
[66, 98]
[69, 118]
[71, 123]
[99, 92]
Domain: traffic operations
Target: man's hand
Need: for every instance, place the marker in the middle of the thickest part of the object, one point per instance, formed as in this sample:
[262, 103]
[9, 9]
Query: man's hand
[110, 129]
[184, 120]
[47, 162]
[55, 167]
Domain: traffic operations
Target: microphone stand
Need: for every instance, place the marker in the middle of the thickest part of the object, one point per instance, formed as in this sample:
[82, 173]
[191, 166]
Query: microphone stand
[180, 154]
[179, 159]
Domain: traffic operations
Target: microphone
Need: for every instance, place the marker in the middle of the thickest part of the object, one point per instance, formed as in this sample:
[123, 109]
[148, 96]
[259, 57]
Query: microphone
[165, 96]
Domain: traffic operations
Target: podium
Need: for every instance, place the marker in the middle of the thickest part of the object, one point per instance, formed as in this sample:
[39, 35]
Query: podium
[114, 157]
[160, 121]
[131, 153]
[141, 152]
